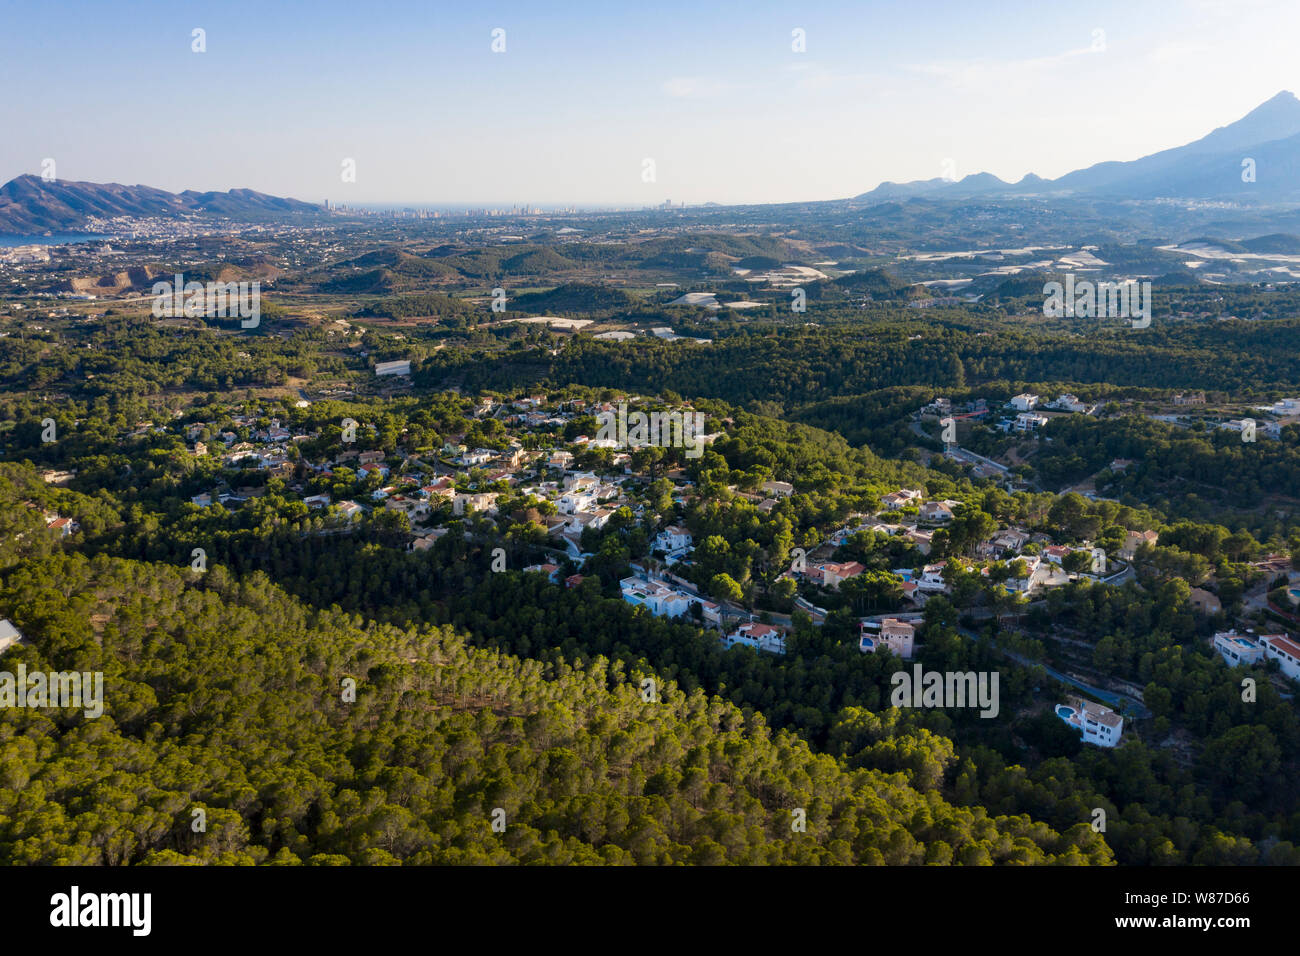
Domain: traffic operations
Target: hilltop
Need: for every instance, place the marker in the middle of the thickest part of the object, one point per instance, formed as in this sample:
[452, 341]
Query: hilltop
[30, 204]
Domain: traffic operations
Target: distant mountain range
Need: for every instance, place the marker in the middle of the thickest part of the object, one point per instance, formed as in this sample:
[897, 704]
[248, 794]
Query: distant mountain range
[1210, 168]
[31, 205]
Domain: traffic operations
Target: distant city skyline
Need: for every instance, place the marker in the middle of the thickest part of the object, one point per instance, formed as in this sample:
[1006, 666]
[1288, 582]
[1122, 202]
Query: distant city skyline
[589, 106]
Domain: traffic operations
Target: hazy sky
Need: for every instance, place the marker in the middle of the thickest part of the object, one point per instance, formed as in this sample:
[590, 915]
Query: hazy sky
[584, 93]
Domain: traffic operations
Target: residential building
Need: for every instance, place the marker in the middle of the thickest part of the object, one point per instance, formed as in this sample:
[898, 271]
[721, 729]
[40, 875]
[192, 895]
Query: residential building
[931, 578]
[1205, 602]
[1068, 403]
[442, 489]
[937, 511]
[413, 508]
[350, 510]
[891, 634]
[575, 501]
[9, 635]
[1012, 540]
[921, 538]
[1236, 649]
[1056, 553]
[485, 502]
[761, 637]
[427, 540]
[582, 481]
[832, 574]
[657, 598]
[1024, 402]
[552, 571]
[64, 526]
[1134, 540]
[1037, 572]
[1283, 650]
[1029, 421]
[672, 539]
[1097, 724]
[900, 499]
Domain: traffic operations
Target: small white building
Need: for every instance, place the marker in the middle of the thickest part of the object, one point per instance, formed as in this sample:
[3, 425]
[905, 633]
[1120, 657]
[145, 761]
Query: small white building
[931, 578]
[9, 635]
[477, 457]
[901, 498]
[761, 637]
[1069, 403]
[485, 502]
[672, 539]
[575, 501]
[1024, 402]
[350, 510]
[938, 511]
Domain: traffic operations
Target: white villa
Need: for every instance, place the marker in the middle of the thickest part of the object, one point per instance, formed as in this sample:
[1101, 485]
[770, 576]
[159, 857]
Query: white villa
[1099, 725]
[761, 637]
[893, 635]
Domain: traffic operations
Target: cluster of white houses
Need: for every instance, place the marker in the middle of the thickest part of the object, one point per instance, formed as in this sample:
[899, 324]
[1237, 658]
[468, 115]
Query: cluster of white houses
[664, 599]
[1024, 416]
[586, 500]
[416, 489]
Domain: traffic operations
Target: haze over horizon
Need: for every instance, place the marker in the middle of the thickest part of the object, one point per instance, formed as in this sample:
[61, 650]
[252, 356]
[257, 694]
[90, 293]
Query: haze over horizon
[717, 98]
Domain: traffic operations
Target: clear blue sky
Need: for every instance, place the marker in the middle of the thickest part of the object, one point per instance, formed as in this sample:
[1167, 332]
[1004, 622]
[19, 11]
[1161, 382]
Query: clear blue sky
[585, 92]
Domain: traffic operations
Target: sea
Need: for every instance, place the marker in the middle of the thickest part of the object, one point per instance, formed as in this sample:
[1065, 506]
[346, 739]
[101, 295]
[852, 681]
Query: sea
[8, 240]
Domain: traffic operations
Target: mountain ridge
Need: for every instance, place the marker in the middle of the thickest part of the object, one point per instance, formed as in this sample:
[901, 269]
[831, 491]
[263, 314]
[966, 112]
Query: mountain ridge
[1212, 167]
[30, 204]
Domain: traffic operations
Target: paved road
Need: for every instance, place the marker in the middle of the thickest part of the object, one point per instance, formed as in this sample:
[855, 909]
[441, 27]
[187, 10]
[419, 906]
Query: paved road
[1125, 704]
